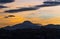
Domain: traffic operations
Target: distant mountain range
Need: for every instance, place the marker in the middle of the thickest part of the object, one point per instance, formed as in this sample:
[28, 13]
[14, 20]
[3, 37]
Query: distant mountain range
[29, 25]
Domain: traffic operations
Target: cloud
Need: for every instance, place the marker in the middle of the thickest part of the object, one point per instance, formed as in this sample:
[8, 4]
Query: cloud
[6, 1]
[26, 9]
[29, 8]
[3, 7]
[43, 5]
[9, 16]
[21, 9]
[47, 4]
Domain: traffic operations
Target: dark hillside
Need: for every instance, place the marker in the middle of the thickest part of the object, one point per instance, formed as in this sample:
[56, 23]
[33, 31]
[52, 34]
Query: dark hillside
[28, 30]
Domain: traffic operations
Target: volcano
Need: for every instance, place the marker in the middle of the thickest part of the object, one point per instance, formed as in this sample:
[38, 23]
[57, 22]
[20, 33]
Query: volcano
[24, 25]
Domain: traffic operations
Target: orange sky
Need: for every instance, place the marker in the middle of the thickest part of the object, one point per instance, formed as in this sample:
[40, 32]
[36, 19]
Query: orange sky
[45, 15]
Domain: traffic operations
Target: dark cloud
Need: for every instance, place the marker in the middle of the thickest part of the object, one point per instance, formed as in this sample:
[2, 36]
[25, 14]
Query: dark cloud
[3, 7]
[6, 1]
[21, 9]
[48, 4]
[44, 5]
[9, 16]
[29, 8]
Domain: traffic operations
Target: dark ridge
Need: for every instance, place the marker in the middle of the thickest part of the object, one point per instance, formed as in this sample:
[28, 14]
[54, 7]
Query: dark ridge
[42, 33]
[30, 25]
[6, 1]
[28, 30]
[53, 26]
[21, 9]
[24, 25]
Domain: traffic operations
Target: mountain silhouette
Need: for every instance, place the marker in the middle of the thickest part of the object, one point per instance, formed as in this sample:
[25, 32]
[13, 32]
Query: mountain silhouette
[52, 26]
[30, 25]
[24, 25]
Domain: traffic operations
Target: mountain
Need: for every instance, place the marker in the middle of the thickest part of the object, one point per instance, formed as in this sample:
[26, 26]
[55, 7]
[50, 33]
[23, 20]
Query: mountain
[24, 25]
[52, 26]
[30, 25]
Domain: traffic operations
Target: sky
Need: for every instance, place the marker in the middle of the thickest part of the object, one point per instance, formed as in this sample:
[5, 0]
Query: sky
[44, 15]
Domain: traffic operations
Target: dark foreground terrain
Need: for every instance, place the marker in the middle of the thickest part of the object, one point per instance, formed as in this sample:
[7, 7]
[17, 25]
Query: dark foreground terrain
[28, 30]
